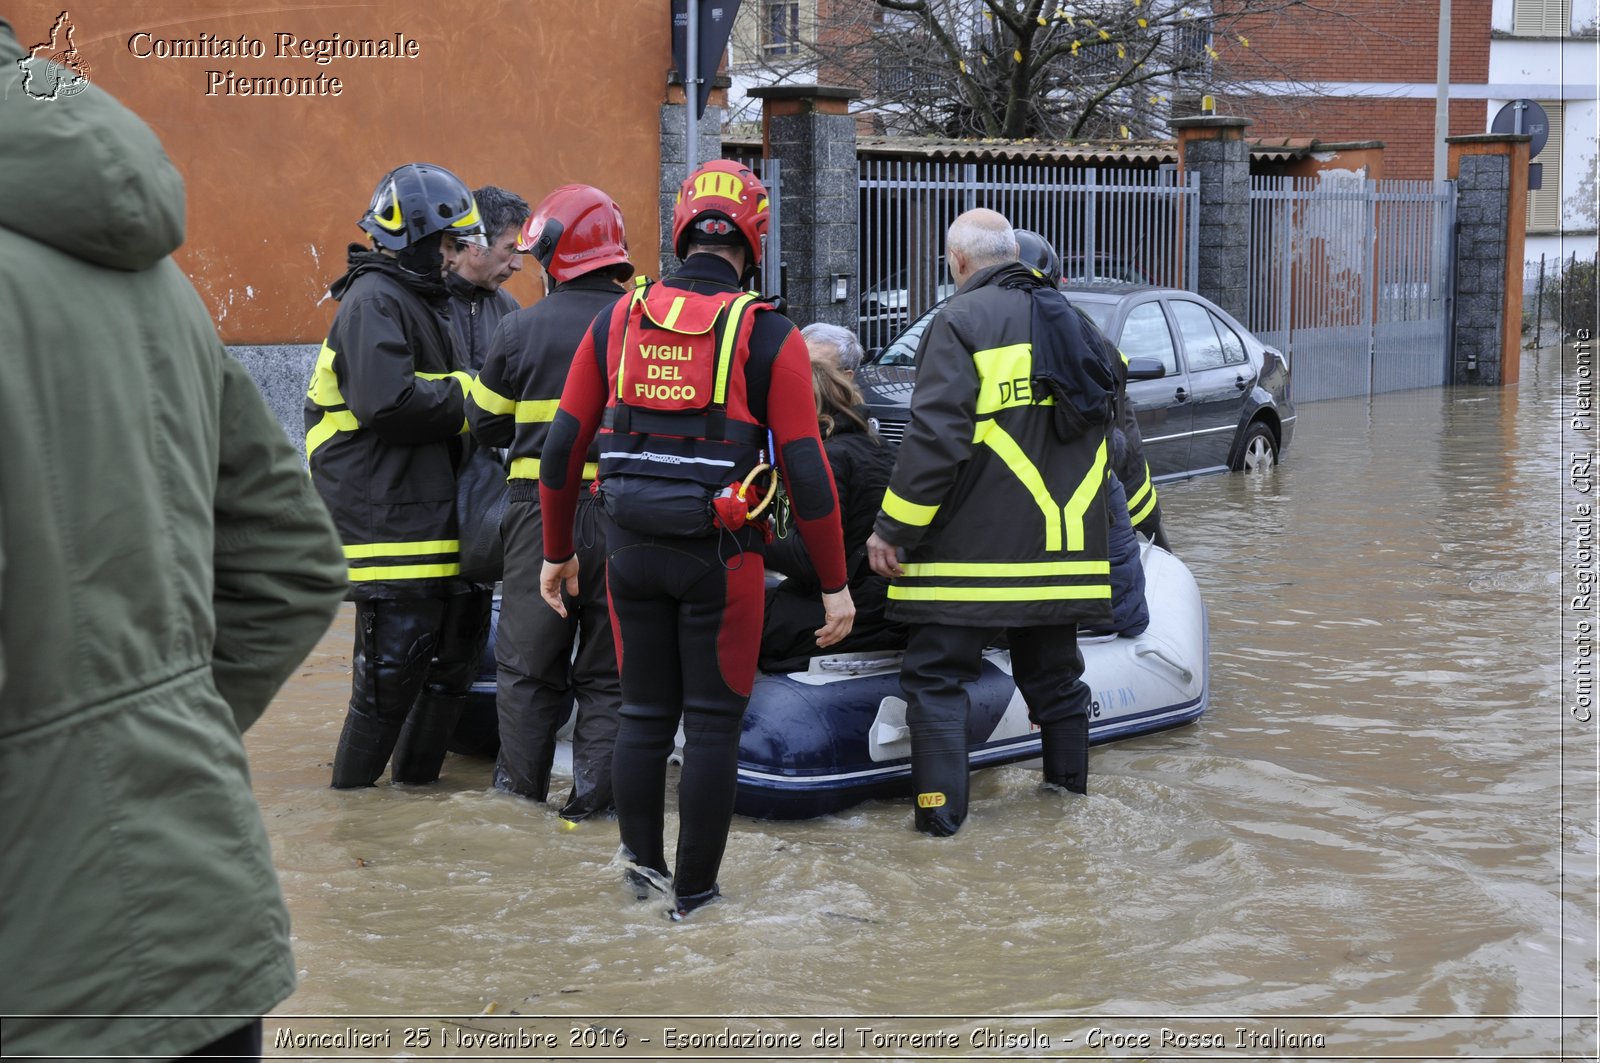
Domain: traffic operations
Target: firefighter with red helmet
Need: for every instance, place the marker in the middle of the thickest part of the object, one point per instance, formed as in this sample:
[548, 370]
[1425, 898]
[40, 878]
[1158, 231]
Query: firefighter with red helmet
[700, 393]
[545, 661]
[385, 417]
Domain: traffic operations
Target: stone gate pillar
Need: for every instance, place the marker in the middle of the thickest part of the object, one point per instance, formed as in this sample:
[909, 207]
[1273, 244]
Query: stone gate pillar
[809, 130]
[1491, 175]
[675, 155]
[1214, 147]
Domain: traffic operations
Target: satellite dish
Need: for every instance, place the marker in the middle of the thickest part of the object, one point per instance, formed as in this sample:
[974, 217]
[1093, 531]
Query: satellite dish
[1524, 116]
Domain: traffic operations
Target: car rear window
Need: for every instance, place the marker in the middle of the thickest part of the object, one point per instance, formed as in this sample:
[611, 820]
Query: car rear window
[1099, 313]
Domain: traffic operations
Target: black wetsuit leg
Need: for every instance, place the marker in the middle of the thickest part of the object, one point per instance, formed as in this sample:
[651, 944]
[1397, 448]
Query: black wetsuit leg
[688, 622]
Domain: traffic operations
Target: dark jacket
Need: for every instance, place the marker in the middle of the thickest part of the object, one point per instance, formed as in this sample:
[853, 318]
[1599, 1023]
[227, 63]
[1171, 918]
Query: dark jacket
[516, 395]
[1130, 611]
[861, 466]
[1003, 522]
[164, 567]
[475, 313]
[385, 416]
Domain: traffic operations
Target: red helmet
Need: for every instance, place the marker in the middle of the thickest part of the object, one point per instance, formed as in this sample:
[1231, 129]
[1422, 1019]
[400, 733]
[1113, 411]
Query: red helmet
[721, 203]
[576, 229]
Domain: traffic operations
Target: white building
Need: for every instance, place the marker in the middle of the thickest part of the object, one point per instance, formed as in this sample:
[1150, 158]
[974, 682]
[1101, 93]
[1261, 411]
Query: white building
[1547, 51]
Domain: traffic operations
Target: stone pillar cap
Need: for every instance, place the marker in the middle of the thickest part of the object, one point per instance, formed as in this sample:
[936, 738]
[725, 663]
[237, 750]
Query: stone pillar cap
[1490, 138]
[1211, 121]
[802, 92]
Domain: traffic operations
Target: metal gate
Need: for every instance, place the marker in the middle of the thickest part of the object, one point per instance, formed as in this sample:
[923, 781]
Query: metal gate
[1109, 225]
[1352, 279]
[771, 173]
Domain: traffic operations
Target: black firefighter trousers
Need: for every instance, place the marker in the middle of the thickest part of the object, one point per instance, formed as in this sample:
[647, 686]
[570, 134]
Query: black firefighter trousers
[941, 663]
[538, 673]
[413, 663]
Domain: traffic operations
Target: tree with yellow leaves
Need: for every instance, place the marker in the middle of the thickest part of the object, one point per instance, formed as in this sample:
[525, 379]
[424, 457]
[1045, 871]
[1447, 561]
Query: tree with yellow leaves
[1050, 69]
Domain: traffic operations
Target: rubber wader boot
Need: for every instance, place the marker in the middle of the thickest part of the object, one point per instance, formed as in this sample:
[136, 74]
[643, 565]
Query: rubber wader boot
[426, 736]
[1065, 750]
[591, 792]
[939, 777]
[364, 748]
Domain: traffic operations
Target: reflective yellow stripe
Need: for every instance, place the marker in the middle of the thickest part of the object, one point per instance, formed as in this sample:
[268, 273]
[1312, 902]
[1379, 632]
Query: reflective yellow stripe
[1005, 569]
[1091, 487]
[672, 314]
[536, 411]
[324, 388]
[641, 285]
[333, 422]
[528, 469]
[460, 376]
[908, 512]
[469, 218]
[489, 400]
[730, 335]
[1138, 496]
[1007, 450]
[1005, 377]
[395, 219]
[436, 546]
[361, 575]
[1142, 510]
[996, 594]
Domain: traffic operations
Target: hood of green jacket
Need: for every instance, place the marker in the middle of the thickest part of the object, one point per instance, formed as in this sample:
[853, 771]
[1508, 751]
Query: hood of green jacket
[83, 173]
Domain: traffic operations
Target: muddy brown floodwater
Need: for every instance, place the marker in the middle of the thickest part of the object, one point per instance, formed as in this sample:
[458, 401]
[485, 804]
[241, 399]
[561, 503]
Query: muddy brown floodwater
[1378, 842]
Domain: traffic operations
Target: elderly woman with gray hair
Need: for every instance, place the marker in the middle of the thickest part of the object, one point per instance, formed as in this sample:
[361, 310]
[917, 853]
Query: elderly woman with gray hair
[833, 341]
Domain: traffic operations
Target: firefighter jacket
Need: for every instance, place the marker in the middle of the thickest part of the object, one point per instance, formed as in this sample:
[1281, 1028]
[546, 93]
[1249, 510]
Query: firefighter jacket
[762, 380]
[385, 415]
[475, 314]
[515, 397]
[1002, 519]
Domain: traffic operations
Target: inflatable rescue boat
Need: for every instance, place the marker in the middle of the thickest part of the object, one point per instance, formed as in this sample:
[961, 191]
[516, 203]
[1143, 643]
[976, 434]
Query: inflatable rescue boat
[819, 741]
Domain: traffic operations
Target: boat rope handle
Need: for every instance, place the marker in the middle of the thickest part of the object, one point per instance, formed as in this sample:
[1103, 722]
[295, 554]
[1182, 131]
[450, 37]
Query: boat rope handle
[1147, 650]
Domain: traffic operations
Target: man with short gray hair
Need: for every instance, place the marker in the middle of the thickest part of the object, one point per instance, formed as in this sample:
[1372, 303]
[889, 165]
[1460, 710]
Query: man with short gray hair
[996, 515]
[833, 341]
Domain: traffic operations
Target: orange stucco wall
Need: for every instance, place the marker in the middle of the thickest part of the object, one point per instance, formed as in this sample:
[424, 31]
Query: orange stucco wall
[525, 94]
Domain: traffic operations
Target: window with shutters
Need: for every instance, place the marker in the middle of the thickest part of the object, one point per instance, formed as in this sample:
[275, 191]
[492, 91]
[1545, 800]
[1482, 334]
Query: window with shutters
[1544, 203]
[1542, 18]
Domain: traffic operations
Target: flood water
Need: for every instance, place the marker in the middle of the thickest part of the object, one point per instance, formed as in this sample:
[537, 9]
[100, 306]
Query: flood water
[1379, 842]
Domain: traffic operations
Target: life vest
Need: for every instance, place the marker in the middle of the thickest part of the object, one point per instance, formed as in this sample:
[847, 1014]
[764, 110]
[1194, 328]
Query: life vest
[678, 408]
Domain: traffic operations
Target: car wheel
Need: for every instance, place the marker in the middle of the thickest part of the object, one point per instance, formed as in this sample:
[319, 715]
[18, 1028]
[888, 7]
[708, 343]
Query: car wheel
[1260, 450]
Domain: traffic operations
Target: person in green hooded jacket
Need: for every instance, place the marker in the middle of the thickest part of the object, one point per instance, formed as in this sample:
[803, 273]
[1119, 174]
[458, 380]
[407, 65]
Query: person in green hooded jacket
[164, 566]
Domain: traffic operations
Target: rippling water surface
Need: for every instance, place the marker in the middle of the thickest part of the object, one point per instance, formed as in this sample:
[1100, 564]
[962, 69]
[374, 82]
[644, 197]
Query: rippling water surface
[1360, 850]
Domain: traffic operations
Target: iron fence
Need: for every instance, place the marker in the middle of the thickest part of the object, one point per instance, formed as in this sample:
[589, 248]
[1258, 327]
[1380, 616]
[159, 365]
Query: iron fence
[1109, 225]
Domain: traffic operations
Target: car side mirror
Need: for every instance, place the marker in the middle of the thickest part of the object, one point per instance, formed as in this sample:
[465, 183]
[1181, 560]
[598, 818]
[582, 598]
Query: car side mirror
[1146, 369]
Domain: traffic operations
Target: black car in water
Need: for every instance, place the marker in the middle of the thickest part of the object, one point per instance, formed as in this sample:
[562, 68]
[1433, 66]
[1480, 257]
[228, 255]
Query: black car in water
[1209, 396]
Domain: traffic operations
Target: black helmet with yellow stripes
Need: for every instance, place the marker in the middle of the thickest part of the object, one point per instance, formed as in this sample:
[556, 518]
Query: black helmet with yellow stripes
[415, 201]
